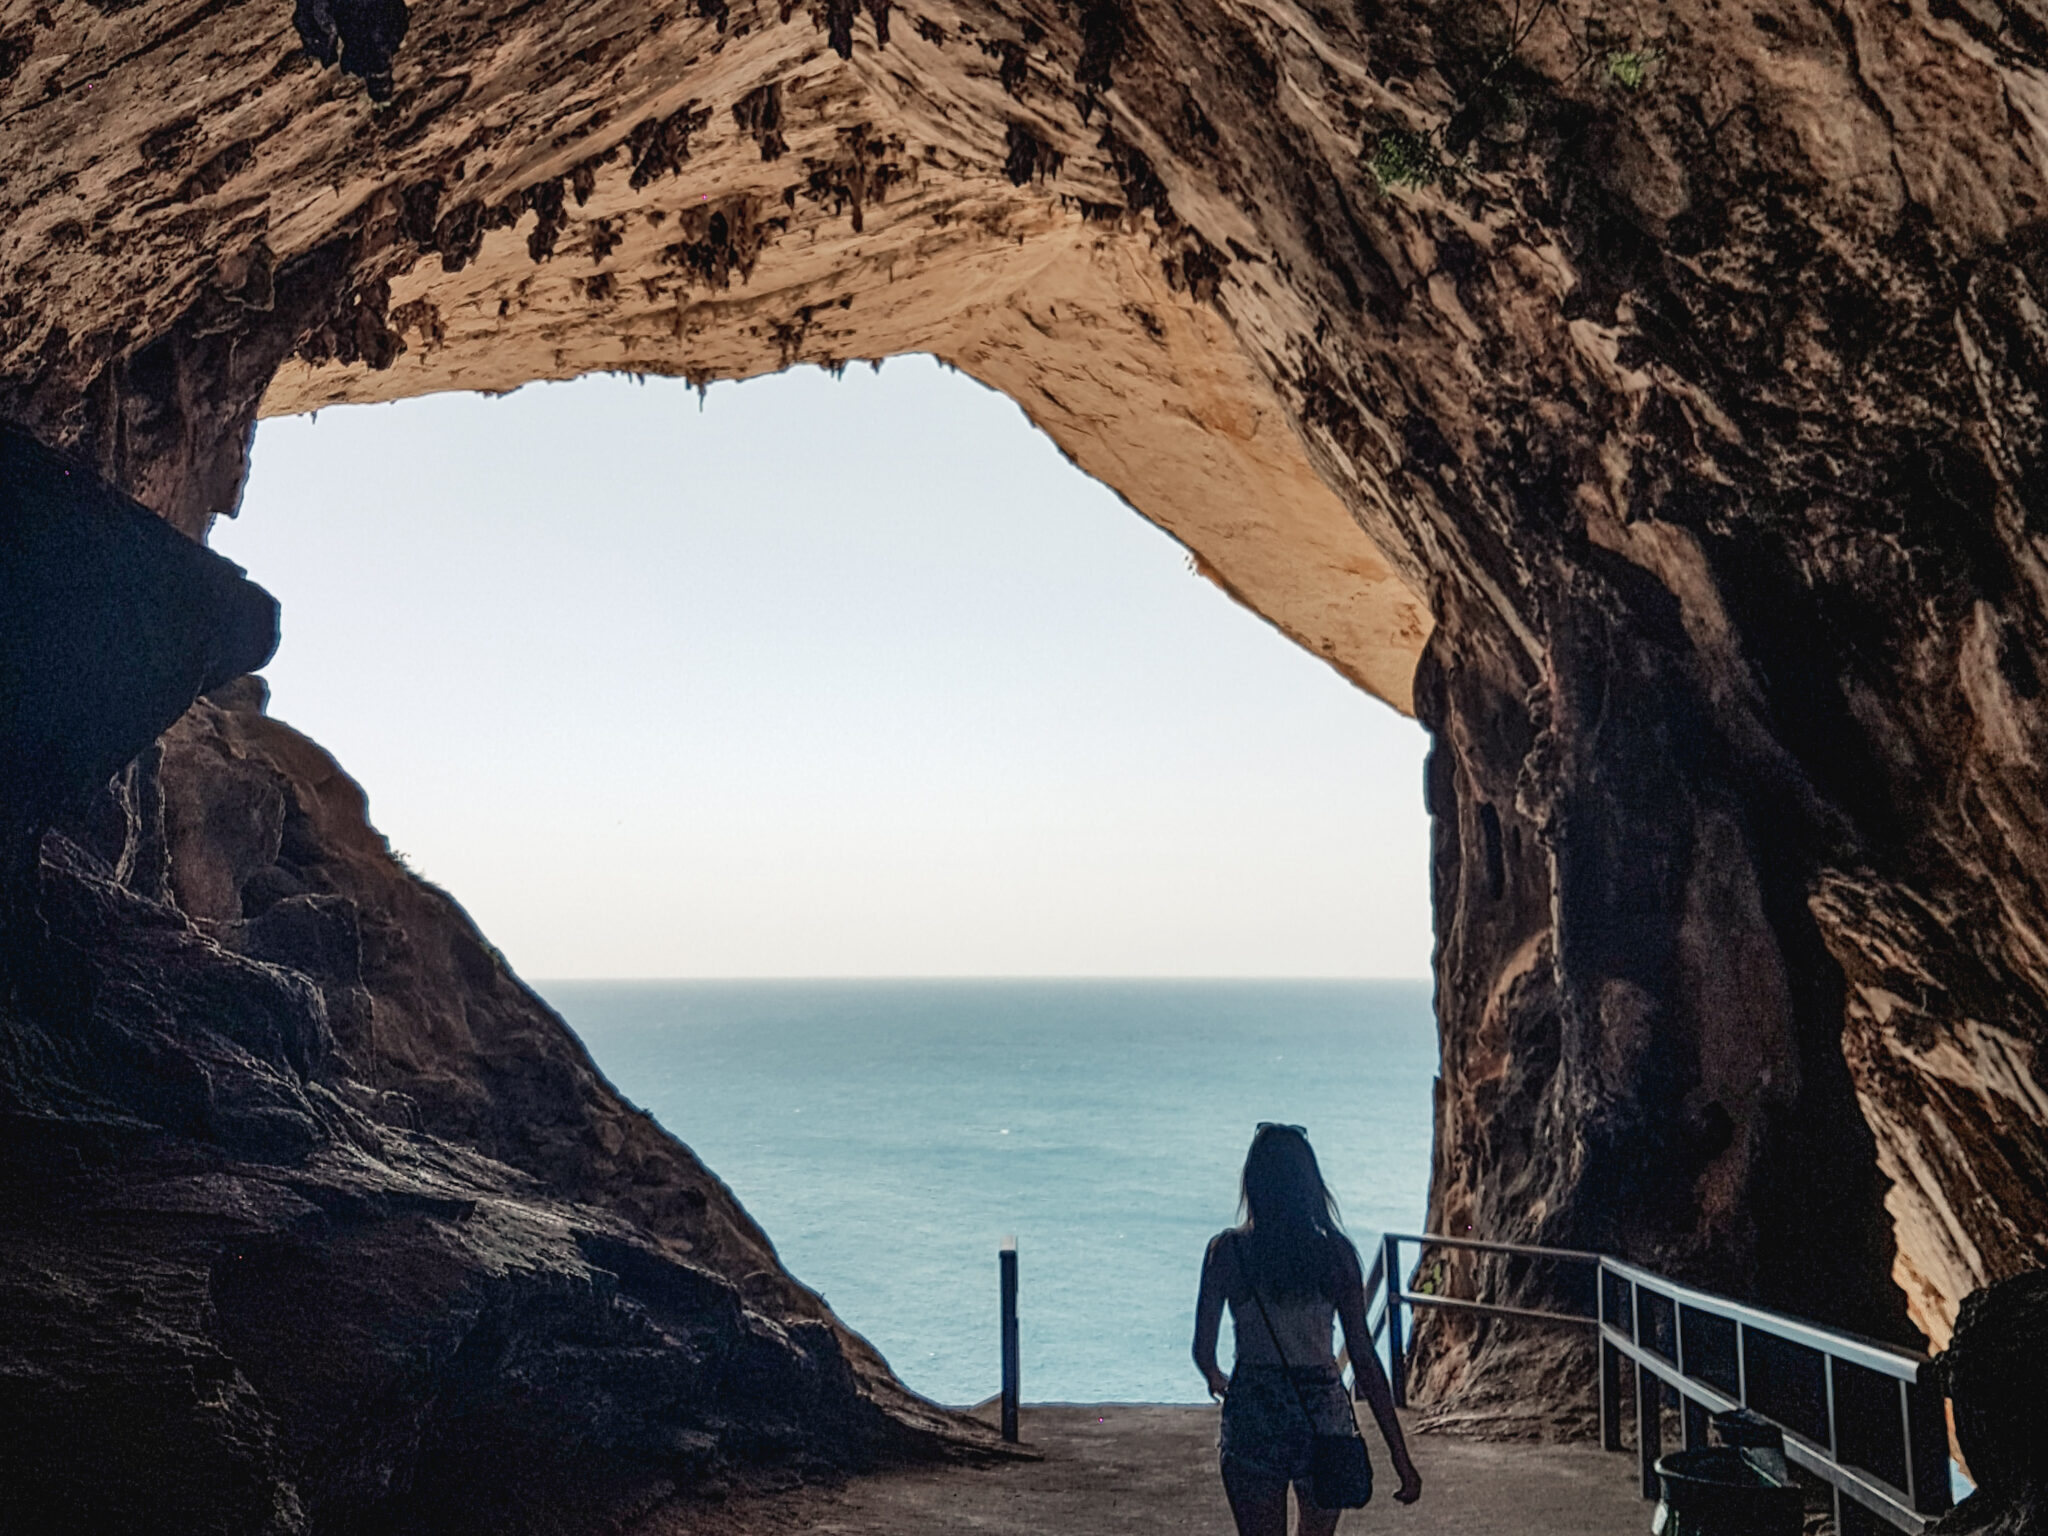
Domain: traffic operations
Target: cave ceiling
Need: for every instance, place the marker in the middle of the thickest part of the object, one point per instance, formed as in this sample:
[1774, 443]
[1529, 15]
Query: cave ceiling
[619, 187]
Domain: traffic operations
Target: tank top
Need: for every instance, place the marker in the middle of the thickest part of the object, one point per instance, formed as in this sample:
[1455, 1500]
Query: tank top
[1305, 1328]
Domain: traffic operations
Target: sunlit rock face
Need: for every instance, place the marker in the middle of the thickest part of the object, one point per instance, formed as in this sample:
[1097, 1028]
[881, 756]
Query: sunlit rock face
[1678, 457]
[626, 186]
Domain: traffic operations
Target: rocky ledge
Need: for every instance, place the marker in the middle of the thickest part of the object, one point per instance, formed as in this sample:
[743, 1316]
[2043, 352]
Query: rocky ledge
[313, 1217]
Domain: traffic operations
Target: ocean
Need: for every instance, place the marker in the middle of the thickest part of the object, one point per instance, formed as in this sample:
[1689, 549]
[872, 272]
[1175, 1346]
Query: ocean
[890, 1134]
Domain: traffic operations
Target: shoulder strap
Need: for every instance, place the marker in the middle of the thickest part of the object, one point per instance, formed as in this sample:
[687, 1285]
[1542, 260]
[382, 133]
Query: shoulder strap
[1245, 1274]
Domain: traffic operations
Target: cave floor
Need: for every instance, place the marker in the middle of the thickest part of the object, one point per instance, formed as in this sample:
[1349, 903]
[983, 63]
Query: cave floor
[1136, 1470]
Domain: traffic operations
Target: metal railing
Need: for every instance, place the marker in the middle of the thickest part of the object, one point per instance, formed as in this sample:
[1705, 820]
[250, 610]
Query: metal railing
[1866, 1418]
[1398, 1295]
[1863, 1416]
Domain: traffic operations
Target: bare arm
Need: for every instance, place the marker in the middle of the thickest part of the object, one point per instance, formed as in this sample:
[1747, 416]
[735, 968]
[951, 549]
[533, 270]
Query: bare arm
[1372, 1383]
[1208, 1320]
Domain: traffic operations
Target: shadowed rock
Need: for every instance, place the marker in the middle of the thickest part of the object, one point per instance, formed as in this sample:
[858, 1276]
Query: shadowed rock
[1996, 1369]
[110, 624]
[313, 1217]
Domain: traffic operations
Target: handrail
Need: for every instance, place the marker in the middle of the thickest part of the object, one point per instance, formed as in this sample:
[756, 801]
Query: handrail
[1401, 1295]
[1496, 1309]
[1738, 1355]
[1868, 1491]
[1897, 1466]
[1520, 1250]
[1868, 1353]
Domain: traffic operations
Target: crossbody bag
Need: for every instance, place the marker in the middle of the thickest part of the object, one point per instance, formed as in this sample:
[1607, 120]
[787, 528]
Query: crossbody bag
[1340, 1470]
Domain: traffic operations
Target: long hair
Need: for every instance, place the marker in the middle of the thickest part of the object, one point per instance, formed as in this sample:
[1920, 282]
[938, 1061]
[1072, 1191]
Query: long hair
[1296, 1239]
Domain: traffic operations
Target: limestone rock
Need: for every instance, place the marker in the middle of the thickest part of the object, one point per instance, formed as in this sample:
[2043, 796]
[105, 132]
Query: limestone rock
[107, 630]
[311, 1216]
[1670, 382]
[318, 1220]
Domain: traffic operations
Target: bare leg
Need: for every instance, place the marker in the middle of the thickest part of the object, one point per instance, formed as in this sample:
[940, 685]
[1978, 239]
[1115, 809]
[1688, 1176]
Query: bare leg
[1314, 1520]
[1257, 1502]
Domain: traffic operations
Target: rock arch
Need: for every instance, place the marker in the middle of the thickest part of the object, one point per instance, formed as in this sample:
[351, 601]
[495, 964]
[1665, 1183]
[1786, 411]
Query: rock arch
[1677, 457]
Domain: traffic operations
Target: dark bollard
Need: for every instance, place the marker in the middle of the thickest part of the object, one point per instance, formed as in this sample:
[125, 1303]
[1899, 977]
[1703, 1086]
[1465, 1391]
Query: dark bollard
[1006, 1262]
[1741, 1487]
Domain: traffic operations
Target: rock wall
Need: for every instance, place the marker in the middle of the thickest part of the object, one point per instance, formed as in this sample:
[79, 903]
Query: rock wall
[312, 1218]
[1998, 1353]
[1660, 393]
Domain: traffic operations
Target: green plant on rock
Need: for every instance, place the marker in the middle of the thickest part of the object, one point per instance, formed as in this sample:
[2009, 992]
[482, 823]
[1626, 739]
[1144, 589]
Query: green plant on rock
[1499, 104]
[1401, 157]
[1629, 68]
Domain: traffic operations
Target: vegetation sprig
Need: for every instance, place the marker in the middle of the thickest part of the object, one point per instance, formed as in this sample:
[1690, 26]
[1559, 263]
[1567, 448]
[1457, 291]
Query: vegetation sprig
[1400, 158]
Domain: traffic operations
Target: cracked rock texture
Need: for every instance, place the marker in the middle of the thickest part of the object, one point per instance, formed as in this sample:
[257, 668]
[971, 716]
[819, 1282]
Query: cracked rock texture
[312, 1218]
[1681, 461]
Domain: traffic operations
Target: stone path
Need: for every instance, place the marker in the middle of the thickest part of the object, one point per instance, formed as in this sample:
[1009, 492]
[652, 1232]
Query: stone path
[1145, 1470]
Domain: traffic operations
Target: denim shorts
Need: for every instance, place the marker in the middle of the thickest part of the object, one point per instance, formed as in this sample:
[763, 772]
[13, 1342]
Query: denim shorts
[1264, 1428]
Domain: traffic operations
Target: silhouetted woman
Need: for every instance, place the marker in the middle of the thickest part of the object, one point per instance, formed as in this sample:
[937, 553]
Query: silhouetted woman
[1289, 1254]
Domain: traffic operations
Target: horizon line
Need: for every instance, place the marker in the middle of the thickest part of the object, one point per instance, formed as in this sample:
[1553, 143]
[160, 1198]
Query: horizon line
[985, 976]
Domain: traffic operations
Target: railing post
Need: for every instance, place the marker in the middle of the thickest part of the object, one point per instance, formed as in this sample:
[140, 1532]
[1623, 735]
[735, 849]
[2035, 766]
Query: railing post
[1828, 1371]
[1827, 1363]
[1741, 1363]
[1695, 1421]
[1926, 1422]
[1906, 1437]
[1397, 1367]
[1610, 1397]
[1695, 1414]
[1006, 1264]
[1649, 1426]
[1649, 1401]
[1610, 1367]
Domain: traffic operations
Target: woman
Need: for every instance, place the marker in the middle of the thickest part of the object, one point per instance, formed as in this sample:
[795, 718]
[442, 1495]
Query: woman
[1285, 1270]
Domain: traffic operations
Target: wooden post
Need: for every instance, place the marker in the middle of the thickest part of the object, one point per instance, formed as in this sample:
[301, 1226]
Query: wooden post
[1397, 1365]
[1006, 1263]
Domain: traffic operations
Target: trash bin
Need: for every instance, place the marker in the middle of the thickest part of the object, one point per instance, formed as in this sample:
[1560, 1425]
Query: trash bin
[1740, 1487]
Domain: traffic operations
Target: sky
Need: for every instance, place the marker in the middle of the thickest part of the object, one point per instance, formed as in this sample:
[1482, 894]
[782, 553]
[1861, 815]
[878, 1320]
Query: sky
[817, 677]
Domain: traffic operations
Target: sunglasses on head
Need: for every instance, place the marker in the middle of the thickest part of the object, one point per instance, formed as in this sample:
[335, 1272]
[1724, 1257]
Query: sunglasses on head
[1275, 1125]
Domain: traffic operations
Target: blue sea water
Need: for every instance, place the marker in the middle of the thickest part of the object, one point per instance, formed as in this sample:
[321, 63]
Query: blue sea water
[889, 1135]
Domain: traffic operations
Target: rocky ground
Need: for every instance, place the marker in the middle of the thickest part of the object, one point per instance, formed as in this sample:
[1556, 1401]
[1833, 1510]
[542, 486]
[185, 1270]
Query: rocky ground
[1126, 1469]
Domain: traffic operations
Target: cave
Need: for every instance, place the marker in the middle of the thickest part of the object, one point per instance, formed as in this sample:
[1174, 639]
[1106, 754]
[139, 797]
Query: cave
[1655, 405]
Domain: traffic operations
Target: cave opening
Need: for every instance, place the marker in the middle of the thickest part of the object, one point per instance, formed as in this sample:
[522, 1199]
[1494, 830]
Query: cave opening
[1686, 433]
[860, 679]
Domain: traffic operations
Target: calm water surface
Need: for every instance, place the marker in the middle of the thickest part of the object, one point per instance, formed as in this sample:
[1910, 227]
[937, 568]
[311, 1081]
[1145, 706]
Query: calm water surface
[890, 1134]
